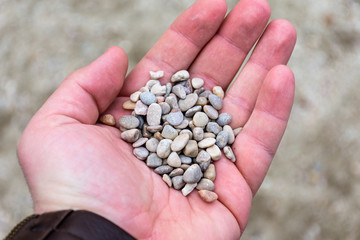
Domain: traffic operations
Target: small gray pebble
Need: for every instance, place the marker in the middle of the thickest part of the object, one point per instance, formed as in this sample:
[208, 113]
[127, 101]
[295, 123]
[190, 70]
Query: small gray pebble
[205, 93]
[168, 89]
[213, 127]
[176, 172]
[139, 142]
[141, 121]
[211, 112]
[189, 187]
[152, 144]
[188, 87]
[205, 184]
[193, 174]
[179, 91]
[129, 122]
[200, 119]
[175, 117]
[163, 149]
[141, 153]
[203, 156]
[148, 98]
[204, 165]
[188, 102]
[178, 182]
[215, 101]
[224, 119]
[153, 161]
[165, 107]
[192, 111]
[222, 139]
[183, 124]
[198, 133]
[130, 135]
[153, 116]
[163, 169]
[185, 160]
[154, 128]
[169, 132]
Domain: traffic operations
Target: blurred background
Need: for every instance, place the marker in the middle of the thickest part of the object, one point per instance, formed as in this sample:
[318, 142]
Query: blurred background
[312, 190]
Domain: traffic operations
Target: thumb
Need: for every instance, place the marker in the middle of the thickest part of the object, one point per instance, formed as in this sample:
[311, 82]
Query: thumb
[87, 92]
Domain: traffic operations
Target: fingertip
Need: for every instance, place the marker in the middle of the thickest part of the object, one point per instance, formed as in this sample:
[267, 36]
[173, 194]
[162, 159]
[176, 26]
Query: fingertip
[285, 29]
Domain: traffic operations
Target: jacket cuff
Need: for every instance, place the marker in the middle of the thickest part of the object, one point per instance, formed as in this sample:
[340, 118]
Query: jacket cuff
[67, 224]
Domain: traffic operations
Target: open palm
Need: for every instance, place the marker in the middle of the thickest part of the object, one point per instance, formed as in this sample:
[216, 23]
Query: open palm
[71, 161]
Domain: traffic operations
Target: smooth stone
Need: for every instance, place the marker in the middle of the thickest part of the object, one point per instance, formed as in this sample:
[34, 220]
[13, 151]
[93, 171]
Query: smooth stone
[205, 93]
[165, 107]
[188, 87]
[145, 132]
[186, 131]
[151, 83]
[141, 121]
[204, 165]
[164, 169]
[231, 134]
[213, 127]
[224, 119]
[191, 112]
[154, 128]
[178, 182]
[210, 172]
[189, 187]
[208, 196]
[222, 139]
[144, 89]
[153, 161]
[175, 117]
[176, 172]
[214, 152]
[158, 136]
[188, 102]
[129, 105]
[179, 91]
[200, 119]
[135, 96]
[193, 174]
[191, 149]
[179, 142]
[205, 184]
[185, 160]
[131, 135]
[107, 119]
[179, 76]
[183, 124]
[209, 135]
[237, 131]
[168, 89]
[153, 116]
[206, 142]
[199, 91]
[174, 160]
[141, 153]
[191, 125]
[197, 83]
[169, 132]
[198, 133]
[158, 90]
[211, 112]
[215, 101]
[184, 166]
[148, 98]
[217, 90]
[163, 149]
[140, 108]
[229, 153]
[156, 75]
[167, 179]
[202, 101]
[140, 142]
[203, 156]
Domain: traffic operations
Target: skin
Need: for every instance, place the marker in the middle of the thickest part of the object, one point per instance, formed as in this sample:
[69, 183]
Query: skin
[71, 161]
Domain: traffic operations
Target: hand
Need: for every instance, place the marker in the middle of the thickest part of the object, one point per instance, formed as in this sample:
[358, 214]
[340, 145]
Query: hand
[71, 161]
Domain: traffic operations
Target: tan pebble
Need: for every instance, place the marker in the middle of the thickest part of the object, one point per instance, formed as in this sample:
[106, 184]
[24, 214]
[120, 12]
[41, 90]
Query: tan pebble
[229, 153]
[135, 96]
[209, 135]
[145, 132]
[129, 105]
[107, 119]
[206, 142]
[208, 196]
[215, 152]
[184, 166]
[186, 131]
[210, 172]
[167, 179]
[158, 136]
[202, 101]
[217, 90]
[131, 135]
[191, 149]
[237, 131]
[140, 142]
[180, 142]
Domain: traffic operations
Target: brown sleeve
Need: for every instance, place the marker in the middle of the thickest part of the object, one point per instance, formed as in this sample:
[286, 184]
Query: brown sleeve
[67, 224]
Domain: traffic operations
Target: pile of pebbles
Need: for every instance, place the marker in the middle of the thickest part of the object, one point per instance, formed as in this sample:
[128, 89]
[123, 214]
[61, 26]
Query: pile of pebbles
[178, 131]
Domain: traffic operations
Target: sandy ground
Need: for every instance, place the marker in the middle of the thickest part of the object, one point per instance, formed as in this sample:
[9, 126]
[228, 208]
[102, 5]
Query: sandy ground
[312, 190]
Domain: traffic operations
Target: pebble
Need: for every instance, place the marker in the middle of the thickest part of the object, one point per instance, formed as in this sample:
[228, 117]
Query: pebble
[144, 89]
[148, 98]
[213, 127]
[179, 91]
[165, 107]
[224, 119]
[237, 131]
[135, 96]
[163, 149]
[215, 101]
[131, 135]
[179, 142]
[152, 144]
[199, 91]
[206, 142]
[185, 160]
[188, 87]
[172, 100]
[205, 94]
[158, 136]
[184, 166]
[205, 184]
[203, 156]
[156, 75]
[175, 117]
[214, 152]
[178, 182]
[229, 153]
[179, 76]
[191, 112]
[145, 132]
[188, 102]
[164, 169]
[210, 172]
[154, 128]
[202, 101]
[176, 172]
[160, 99]
[191, 149]
[198, 133]
[140, 108]
[189, 187]
[211, 112]
[204, 165]
[153, 161]
[167, 180]
[168, 89]
[208, 196]
[197, 83]
[174, 160]
[183, 124]
[158, 90]
[217, 90]
[169, 132]
[150, 84]
[128, 105]
[186, 131]
[141, 153]
[129, 122]
[222, 139]
[141, 121]
[153, 116]
[140, 142]
[107, 119]
[209, 135]
[231, 134]
[200, 119]
[193, 174]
